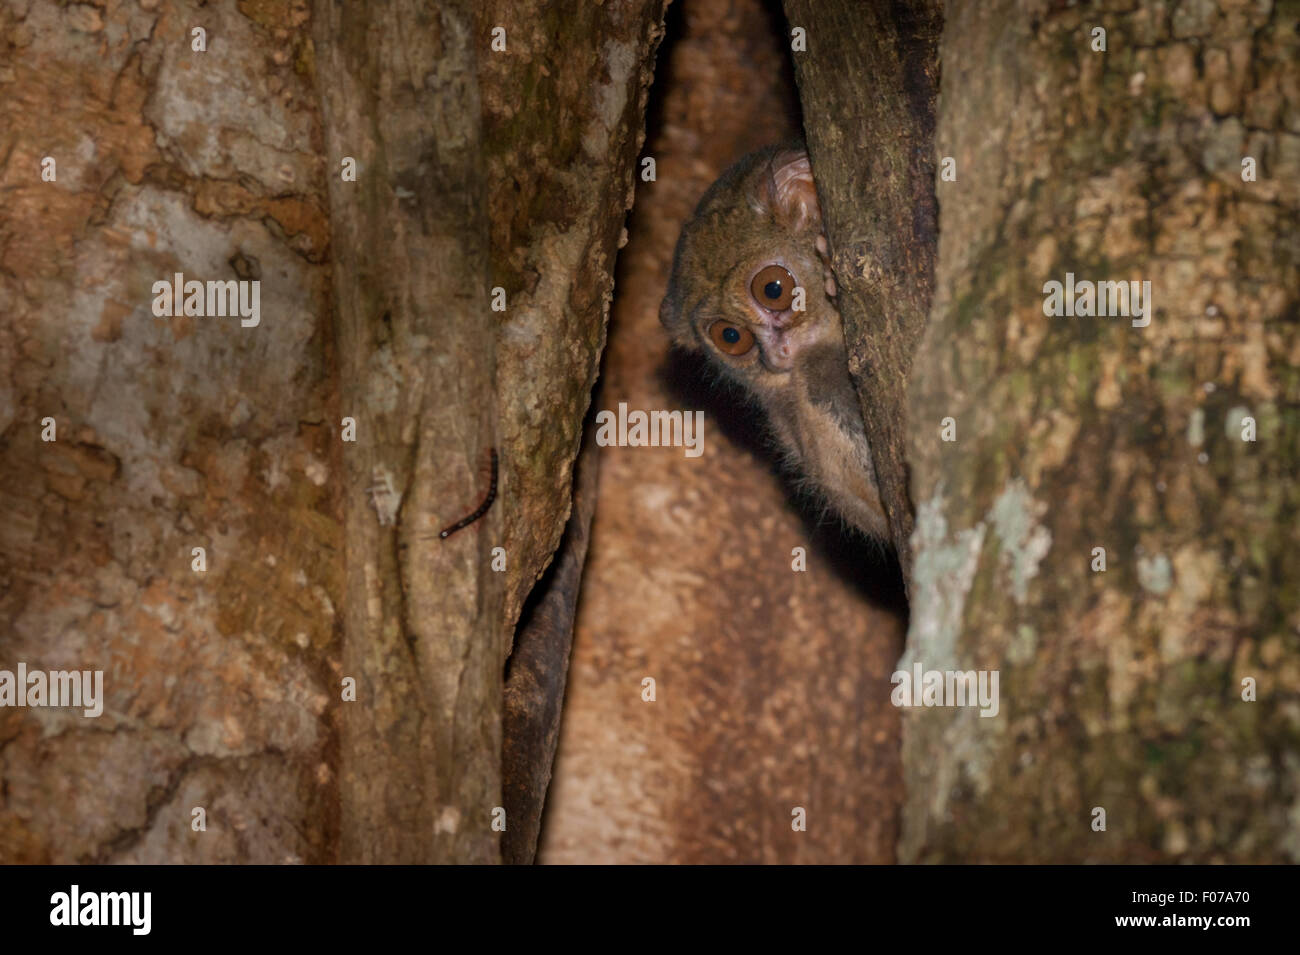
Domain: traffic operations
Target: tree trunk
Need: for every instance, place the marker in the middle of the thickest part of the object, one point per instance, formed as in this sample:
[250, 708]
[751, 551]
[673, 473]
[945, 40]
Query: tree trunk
[223, 686]
[539, 671]
[564, 111]
[867, 82]
[422, 615]
[564, 117]
[220, 676]
[1121, 690]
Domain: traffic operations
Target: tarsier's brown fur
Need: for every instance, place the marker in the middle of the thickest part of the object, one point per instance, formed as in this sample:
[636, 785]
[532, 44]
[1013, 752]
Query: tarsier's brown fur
[763, 211]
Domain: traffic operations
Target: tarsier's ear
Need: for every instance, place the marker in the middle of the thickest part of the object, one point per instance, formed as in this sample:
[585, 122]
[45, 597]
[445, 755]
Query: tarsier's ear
[668, 310]
[787, 191]
[670, 315]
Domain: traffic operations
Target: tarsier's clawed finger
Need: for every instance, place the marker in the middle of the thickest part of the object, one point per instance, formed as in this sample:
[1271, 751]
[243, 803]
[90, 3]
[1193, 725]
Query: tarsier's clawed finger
[824, 250]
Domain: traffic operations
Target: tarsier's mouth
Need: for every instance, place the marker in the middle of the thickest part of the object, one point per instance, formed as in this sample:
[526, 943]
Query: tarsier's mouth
[778, 359]
[781, 349]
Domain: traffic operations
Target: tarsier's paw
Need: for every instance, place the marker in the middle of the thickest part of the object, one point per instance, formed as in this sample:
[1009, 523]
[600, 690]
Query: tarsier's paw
[824, 250]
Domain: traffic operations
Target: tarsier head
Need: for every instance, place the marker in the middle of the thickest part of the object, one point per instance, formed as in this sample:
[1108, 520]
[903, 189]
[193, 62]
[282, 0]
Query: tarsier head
[750, 286]
[752, 290]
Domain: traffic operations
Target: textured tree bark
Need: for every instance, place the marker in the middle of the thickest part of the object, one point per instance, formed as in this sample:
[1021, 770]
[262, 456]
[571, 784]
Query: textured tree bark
[564, 118]
[549, 176]
[222, 685]
[1121, 690]
[867, 82]
[220, 679]
[420, 761]
[538, 673]
[564, 112]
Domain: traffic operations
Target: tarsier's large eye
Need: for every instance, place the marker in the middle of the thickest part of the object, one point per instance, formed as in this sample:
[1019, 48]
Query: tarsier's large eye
[732, 339]
[773, 288]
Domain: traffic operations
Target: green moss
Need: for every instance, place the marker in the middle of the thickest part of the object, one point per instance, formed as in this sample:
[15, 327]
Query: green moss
[967, 307]
[1173, 377]
[1083, 370]
[1021, 386]
[304, 64]
[1155, 755]
[267, 14]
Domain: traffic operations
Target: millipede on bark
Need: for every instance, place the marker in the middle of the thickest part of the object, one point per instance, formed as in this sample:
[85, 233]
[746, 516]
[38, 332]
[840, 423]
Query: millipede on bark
[481, 509]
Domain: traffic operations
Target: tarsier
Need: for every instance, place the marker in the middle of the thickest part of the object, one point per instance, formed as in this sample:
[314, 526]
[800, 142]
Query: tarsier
[751, 288]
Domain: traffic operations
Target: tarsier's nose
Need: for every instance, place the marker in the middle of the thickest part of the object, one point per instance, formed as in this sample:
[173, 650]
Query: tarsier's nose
[779, 359]
[779, 350]
[790, 318]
